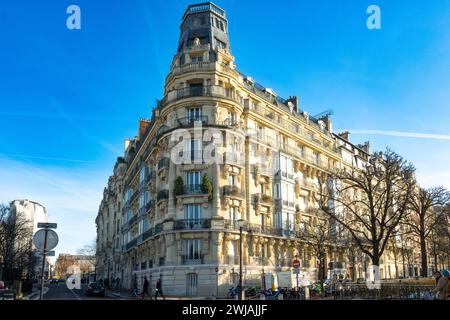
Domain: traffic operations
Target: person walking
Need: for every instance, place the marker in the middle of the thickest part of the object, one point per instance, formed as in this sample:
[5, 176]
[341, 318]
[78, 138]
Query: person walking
[443, 285]
[145, 289]
[159, 290]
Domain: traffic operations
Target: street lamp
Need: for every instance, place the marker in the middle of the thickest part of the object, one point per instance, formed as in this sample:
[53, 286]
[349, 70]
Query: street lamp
[263, 275]
[240, 223]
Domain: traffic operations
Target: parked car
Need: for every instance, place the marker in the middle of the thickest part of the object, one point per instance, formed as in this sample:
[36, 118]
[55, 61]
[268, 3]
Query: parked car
[95, 289]
[2, 285]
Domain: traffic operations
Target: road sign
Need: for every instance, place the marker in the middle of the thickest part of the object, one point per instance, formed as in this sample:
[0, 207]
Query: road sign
[39, 239]
[296, 263]
[46, 225]
[38, 253]
[296, 271]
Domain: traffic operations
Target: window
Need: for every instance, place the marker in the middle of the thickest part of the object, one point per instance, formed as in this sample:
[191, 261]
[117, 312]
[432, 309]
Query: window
[232, 180]
[143, 174]
[143, 199]
[192, 249]
[316, 157]
[194, 114]
[220, 44]
[221, 26]
[192, 211]
[231, 118]
[302, 203]
[196, 59]
[277, 220]
[233, 213]
[193, 180]
[195, 150]
[128, 194]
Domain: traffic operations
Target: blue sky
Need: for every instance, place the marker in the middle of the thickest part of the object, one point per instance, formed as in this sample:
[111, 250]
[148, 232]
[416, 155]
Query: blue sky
[68, 99]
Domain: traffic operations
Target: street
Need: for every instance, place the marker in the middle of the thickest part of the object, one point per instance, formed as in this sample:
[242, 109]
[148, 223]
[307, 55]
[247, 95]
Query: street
[59, 291]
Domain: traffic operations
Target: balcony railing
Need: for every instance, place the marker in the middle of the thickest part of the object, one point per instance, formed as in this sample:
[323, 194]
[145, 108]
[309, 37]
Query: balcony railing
[262, 199]
[163, 163]
[147, 234]
[131, 244]
[150, 205]
[193, 188]
[200, 91]
[285, 203]
[275, 117]
[133, 219]
[193, 259]
[162, 195]
[232, 191]
[191, 121]
[192, 224]
[260, 261]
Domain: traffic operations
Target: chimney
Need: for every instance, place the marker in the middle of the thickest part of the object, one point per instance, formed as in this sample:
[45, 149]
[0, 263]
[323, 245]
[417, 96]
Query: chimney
[294, 100]
[143, 125]
[365, 147]
[345, 135]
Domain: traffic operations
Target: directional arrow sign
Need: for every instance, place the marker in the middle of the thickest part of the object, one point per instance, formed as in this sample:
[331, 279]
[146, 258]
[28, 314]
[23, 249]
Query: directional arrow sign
[46, 225]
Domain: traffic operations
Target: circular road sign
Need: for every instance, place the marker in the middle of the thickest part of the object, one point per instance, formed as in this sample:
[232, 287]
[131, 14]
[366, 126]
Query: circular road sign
[39, 239]
[296, 264]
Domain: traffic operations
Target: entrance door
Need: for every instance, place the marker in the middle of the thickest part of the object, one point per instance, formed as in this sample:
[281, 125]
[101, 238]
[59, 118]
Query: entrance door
[191, 285]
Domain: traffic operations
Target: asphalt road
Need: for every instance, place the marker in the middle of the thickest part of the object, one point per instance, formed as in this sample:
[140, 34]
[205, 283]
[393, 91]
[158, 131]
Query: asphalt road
[59, 291]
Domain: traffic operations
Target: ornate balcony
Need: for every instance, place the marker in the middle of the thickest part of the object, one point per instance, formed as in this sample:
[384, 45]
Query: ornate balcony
[192, 260]
[232, 191]
[191, 121]
[193, 188]
[192, 224]
[162, 195]
[163, 163]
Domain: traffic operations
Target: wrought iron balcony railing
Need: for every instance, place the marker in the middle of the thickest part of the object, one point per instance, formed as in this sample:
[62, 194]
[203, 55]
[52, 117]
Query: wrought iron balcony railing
[232, 191]
[191, 121]
[193, 259]
[162, 195]
[193, 188]
[163, 163]
[192, 224]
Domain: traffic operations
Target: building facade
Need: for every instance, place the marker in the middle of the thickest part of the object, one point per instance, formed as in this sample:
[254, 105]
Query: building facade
[34, 213]
[220, 152]
[109, 223]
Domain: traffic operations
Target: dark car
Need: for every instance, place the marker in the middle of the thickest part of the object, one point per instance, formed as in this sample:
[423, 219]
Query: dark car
[54, 280]
[95, 289]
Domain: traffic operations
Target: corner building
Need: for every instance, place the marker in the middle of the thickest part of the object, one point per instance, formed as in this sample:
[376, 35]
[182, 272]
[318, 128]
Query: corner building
[268, 158]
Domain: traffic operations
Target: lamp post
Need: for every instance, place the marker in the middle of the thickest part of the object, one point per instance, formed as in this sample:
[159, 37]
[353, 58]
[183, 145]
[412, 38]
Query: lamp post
[240, 223]
[263, 275]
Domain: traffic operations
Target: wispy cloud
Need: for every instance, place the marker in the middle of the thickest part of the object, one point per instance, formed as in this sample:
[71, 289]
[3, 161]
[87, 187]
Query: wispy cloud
[26, 156]
[71, 197]
[403, 134]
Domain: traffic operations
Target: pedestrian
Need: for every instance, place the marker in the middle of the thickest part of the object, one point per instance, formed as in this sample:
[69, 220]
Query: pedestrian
[159, 290]
[135, 293]
[117, 282]
[437, 276]
[443, 285]
[145, 289]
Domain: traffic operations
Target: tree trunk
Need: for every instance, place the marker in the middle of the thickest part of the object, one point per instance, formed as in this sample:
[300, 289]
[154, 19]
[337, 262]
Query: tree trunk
[423, 252]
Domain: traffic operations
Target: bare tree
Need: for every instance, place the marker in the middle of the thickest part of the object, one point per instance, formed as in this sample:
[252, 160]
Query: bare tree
[424, 217]
[15, 243]
[317, 236]
[370, 202]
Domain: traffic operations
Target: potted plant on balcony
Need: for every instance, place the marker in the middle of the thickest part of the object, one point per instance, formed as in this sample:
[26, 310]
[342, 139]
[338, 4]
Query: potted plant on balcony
[207, 186]
[178, 189]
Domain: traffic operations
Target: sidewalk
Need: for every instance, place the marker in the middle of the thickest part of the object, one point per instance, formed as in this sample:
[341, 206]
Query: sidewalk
[125, 294]
[35, 294]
